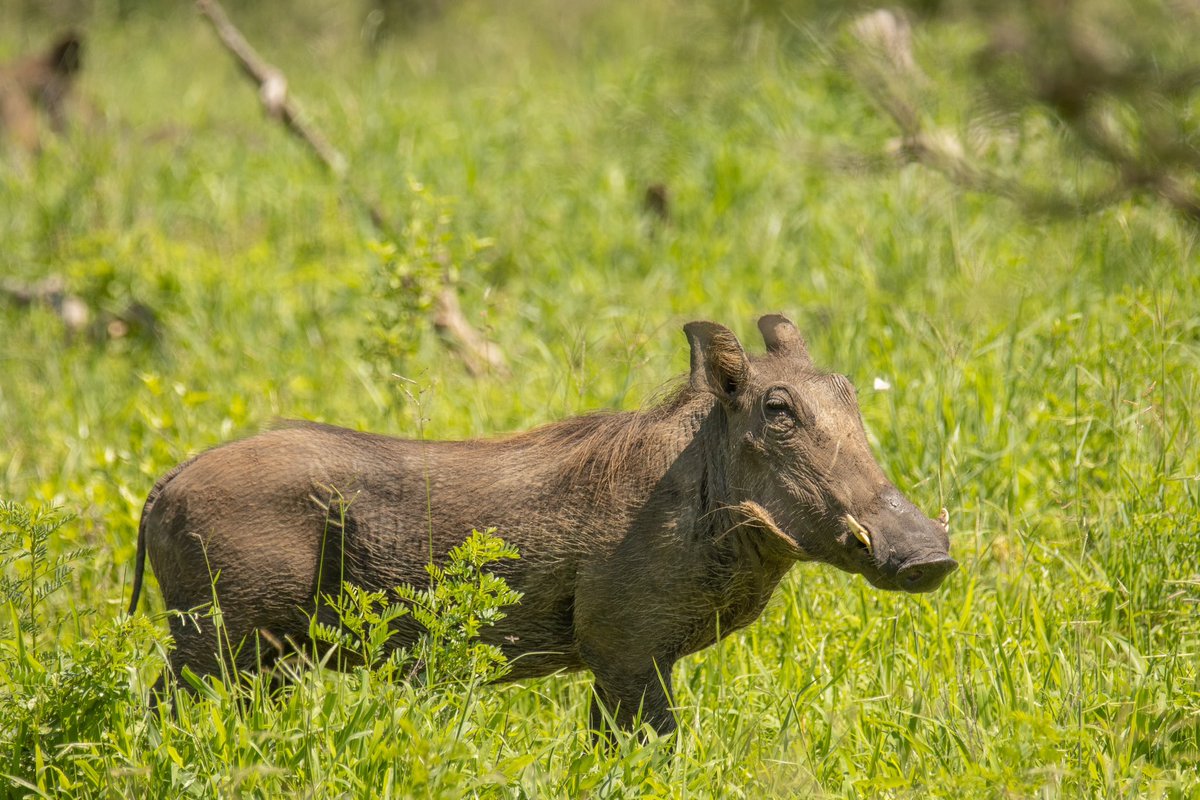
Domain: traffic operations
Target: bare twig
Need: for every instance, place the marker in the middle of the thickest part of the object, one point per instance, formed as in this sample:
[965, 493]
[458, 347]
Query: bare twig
[882, 62]
[52, 292]
[477, 353]
[272, 88]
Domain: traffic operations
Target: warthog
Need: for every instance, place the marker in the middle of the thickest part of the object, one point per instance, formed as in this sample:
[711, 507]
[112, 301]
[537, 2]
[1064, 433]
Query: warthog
[644, 536]
[41, 81]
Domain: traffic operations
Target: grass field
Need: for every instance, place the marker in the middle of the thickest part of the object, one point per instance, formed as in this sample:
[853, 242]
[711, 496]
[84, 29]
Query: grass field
[1044, 381]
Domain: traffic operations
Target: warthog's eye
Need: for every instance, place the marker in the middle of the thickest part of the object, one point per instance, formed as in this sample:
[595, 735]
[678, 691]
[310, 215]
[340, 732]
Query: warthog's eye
[777, 403]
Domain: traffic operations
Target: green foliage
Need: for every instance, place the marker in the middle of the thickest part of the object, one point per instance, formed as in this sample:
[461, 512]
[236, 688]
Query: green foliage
[406, 279]
[31, 572]
[54, 698]
[407, 276]
[1043, 380]
[462, 598]
[364, 628]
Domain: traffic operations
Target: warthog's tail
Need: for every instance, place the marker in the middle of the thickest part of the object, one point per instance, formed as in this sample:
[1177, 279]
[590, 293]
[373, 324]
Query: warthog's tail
[139, 566]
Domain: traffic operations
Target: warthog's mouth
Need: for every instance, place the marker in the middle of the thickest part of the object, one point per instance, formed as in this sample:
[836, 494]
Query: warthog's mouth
[862, 562]
[919, 574]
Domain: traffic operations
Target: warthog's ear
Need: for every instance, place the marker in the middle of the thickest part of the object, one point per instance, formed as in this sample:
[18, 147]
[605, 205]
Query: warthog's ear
[66, 58]
[782, 338]
[719, 364]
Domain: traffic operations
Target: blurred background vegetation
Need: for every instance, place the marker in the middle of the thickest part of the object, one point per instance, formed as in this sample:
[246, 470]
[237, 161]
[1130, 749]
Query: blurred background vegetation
[987, 208]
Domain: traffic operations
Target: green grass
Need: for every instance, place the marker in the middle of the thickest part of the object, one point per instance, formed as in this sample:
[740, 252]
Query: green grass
[1044, 388]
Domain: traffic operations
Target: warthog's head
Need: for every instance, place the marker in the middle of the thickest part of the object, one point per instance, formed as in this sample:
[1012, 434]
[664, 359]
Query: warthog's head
[798, 463]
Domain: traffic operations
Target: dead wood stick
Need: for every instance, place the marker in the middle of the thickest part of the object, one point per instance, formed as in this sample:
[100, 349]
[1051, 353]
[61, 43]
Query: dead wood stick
[884, 65]
[478, 354]
[272, 88]
[52, 292]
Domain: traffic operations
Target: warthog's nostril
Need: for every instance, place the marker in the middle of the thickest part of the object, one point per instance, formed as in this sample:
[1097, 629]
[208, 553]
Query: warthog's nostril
[925, 576]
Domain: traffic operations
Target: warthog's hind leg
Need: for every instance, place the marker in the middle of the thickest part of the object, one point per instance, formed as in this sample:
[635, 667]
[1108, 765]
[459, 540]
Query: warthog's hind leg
[207, 647]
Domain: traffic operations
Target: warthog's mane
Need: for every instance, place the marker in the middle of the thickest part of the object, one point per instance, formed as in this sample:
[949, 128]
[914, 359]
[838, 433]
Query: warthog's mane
[601, 450]
[606, 453]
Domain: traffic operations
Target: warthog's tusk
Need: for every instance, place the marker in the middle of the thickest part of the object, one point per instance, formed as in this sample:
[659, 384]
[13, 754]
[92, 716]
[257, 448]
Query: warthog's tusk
[859, 531]
[943, 519]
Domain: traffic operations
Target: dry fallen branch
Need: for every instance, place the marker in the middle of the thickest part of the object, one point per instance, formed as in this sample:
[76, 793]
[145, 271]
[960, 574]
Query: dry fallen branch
[272, 88]
[51, 292]
[881, 60]
[78, 318]
[884, 64]
[478, 354]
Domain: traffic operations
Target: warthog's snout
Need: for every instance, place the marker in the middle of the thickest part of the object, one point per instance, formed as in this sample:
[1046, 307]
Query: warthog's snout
[902, 548]
[925, 575]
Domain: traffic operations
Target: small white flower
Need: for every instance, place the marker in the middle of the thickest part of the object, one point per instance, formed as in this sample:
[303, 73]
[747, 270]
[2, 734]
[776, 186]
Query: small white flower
[881, 385]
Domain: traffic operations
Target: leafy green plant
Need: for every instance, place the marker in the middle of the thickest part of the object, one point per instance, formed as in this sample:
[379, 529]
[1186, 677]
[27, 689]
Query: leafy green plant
[31, 571]
[364, 628]
[408, 274]
[461, 599]
[53, 697]
[406, 278]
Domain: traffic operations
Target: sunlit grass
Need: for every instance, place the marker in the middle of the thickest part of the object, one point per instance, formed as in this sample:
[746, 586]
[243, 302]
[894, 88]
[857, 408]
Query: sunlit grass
[1043, 388]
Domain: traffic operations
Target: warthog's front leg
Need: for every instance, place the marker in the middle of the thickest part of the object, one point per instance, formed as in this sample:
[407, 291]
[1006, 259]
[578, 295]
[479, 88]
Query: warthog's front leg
[630, 699]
